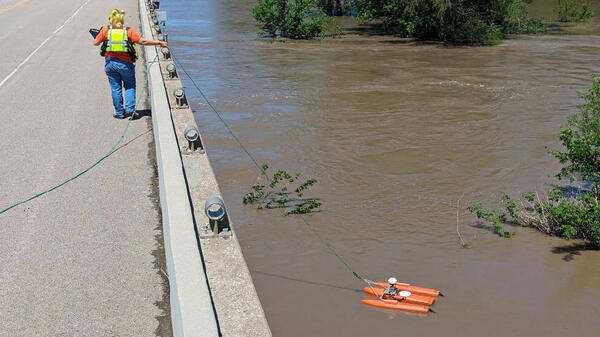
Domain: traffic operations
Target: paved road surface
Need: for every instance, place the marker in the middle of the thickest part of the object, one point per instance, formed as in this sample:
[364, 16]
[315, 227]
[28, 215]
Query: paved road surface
[78, 261]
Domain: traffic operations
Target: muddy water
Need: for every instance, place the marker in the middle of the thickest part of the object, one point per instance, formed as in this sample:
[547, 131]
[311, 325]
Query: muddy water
[396, 133]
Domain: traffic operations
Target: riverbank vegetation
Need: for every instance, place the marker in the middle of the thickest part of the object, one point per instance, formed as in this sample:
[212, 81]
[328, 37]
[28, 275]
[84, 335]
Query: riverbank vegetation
[297, 19]
[461, 22]
[335, 7]
[573, 11]
[563, 211]
[468, 22]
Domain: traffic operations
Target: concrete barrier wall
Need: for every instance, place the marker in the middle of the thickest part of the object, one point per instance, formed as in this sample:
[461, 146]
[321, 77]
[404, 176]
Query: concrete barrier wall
[192, 312]
[231, 293]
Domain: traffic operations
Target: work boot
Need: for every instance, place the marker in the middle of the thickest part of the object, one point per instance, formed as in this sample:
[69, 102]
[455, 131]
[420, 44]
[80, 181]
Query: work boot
[117, 116]
[135, 114]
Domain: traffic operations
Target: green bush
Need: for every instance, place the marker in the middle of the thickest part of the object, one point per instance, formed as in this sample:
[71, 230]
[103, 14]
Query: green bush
[294, 19]
[470, 22]
[581, 139]
[271, 15]
[334, 7]
[495, 217]
[573, 11]
[517, 21]
[566, 216]
[559, 215]
[475, 31]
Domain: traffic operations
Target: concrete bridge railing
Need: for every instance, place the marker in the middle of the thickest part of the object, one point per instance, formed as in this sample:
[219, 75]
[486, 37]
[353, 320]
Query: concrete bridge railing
[212, 292]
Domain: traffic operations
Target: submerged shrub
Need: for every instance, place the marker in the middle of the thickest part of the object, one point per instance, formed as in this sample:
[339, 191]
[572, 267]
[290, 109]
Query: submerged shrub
[581, 139]
[470, 22]
[562, 216]
[284, 191]
[475, 31]
[566, 216]
[295, 19]
[334, 7]
[573, 11]
[517, 21]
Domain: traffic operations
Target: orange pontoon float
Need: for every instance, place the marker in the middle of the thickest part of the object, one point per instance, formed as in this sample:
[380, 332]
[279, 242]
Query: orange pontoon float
[412, 289]
[401, 296]
[397, 305]
[412, 298]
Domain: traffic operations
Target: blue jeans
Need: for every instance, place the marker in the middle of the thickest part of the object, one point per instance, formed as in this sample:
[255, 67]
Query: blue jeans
[121, 74]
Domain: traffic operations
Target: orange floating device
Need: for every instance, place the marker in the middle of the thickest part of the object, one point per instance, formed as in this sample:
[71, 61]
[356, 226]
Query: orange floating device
[412, 289]
[401, 296]
[412, 298]
[397, 305]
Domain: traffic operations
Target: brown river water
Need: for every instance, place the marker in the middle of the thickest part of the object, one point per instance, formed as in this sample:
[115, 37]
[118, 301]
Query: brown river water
[396, 132]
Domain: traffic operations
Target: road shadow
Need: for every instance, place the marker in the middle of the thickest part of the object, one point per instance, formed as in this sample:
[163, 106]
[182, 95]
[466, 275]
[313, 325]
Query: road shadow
[143, 113]
[570, 251]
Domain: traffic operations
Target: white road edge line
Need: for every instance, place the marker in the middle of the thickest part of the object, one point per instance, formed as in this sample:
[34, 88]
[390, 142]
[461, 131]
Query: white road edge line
[42, 45]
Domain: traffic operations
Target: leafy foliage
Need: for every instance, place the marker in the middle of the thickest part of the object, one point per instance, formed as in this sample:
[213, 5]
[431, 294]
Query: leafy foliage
[334, 7]
[283, 191]
[475, 31]
[581, 138]
[573, 11]
[566, 217]
[517, 21]
[470, 22]
[294, 19]
[495, 217]
[569, 217]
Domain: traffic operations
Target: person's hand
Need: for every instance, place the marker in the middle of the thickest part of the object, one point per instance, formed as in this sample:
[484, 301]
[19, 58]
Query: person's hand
[163, 43]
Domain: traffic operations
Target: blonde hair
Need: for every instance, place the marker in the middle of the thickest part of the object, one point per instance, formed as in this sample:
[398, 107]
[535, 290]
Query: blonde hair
[116, 17]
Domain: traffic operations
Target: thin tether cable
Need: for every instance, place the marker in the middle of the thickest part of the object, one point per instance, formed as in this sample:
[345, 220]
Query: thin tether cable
[108, 154]
[239, 142]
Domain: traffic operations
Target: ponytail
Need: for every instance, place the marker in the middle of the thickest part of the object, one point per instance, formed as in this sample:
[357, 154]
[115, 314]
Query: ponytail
[116, 17]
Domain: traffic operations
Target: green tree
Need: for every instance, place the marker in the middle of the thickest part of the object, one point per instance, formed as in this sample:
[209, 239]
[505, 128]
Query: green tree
[271, 14]
[295, 19]
[471, 22]
[333, 7]
[581, 139]
[573, 11]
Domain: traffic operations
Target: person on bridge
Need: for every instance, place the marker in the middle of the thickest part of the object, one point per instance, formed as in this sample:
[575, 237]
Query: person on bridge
[118, 47]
